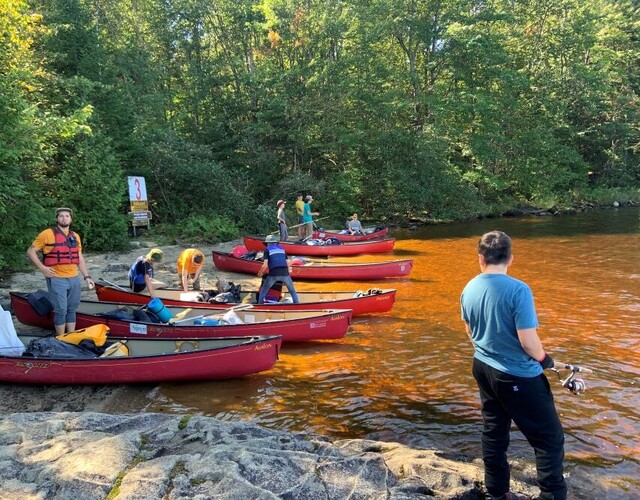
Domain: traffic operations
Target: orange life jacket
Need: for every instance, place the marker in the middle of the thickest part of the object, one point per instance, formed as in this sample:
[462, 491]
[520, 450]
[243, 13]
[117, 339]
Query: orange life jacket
[64, 251]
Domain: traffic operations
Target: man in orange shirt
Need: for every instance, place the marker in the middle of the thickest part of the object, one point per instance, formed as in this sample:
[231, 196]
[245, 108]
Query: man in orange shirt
[190, 263]
[62, 258]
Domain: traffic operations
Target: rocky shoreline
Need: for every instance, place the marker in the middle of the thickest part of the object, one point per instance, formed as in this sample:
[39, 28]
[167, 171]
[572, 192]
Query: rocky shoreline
[96, 455]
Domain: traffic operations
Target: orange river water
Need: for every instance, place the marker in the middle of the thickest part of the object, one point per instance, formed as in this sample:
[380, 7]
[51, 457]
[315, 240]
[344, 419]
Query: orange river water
[405, 375]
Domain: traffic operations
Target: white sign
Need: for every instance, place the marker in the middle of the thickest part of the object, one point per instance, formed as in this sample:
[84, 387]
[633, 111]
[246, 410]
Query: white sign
[137, 328]
[137, 189]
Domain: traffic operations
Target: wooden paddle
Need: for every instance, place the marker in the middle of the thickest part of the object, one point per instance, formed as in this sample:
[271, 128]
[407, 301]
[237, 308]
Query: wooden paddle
[118, 287]
[178, 317]
[222, 312]
[239, 307]
[184, 320]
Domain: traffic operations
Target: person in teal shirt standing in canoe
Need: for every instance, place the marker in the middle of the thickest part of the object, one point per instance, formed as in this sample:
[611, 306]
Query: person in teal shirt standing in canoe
[307, 217]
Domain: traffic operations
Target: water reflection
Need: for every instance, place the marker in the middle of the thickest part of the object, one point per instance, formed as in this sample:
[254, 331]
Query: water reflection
[405, 376]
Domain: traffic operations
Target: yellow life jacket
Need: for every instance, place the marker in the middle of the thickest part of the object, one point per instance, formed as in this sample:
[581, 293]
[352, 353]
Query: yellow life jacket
[97, 333]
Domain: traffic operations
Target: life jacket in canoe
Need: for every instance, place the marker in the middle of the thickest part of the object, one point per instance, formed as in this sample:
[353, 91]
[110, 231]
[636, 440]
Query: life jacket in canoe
[277, 258]
[64, 250]
[239, 251]
[98, 333]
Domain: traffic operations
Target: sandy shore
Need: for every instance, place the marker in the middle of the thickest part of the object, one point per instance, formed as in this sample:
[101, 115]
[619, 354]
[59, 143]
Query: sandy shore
[114, 268]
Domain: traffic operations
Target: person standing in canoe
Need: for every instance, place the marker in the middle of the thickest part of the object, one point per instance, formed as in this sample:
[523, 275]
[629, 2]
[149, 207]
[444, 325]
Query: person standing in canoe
[275, 260]
[190, 263]
[307, 217]
[299, 212]
[142, 271]
[500, 319]
[62, 259]
[282, 221]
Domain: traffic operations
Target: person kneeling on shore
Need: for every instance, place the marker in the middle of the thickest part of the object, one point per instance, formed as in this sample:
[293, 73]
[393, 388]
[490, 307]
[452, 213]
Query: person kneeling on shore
[190, 264]
[142, 271]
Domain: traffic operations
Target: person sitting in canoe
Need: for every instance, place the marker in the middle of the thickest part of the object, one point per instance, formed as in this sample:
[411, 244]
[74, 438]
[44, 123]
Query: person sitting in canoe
[190, 263]
[275, 259]
[354, 226]
[142, 271]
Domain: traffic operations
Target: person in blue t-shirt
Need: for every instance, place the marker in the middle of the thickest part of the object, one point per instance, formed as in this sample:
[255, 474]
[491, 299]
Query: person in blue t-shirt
[275, 259]
[509, 359]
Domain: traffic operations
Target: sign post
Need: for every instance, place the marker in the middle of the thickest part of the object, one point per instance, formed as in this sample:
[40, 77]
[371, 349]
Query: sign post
[139, 216]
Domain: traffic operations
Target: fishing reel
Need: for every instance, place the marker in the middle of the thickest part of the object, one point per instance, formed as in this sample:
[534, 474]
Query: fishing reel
[571, 383]
[574, 385]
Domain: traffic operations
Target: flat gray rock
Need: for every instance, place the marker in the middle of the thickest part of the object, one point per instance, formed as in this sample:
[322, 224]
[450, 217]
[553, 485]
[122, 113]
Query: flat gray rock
[94, 455]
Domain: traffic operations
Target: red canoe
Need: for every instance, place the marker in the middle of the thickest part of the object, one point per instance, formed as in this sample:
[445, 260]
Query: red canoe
[367, 235]
[149, 361]
[343, 249]
[374, 300]
[321, 270]
[293, 326]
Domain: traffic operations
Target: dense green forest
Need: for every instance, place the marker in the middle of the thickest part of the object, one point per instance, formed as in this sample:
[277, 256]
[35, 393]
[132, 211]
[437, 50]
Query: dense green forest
[438, 109]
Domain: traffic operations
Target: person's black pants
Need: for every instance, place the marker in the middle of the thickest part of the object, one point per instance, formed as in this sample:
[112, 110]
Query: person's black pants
[529, 403]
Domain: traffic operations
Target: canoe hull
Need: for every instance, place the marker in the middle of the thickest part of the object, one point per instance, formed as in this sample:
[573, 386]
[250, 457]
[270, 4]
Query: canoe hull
[322, 272]
[233, 358]
[345, 249]
[326, 325]
[368, 304]
[321, 235]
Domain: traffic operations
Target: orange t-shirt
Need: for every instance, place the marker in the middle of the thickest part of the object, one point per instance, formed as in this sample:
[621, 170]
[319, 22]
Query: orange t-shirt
[185, 261]
[47, 237]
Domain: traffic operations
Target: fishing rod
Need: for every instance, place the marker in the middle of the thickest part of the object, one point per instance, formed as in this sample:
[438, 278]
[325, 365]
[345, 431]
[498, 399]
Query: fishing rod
[571, 383]
[301, 224]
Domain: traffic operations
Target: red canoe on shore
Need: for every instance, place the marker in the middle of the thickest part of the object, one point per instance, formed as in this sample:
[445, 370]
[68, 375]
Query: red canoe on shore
[325, 250]
[366, 302]
[149, 361]
[292, 326]
[321, 270]
[367, 235]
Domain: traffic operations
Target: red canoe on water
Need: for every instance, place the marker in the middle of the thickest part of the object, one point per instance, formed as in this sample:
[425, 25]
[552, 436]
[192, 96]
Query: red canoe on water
[367, 235]
[149, 361]
[293, 326]
[327, 250]
[374, 300]
[322, 270]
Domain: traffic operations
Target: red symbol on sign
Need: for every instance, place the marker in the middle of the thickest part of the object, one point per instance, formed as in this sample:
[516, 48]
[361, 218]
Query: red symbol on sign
[138, 192]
